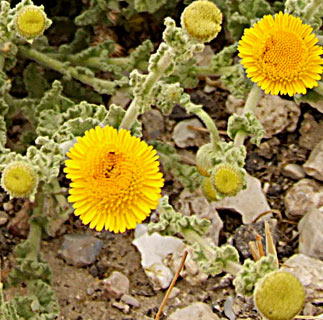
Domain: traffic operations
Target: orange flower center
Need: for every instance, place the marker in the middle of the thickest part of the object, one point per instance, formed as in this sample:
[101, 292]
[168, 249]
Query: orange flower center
[112, 175]
[282, 57]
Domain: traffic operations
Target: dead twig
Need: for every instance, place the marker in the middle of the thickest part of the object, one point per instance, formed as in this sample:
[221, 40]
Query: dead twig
[171, 285]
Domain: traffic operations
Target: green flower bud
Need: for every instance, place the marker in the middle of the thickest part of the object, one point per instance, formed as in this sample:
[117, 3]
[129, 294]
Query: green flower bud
[19, 180]
[31, 22]
[208, 191]
[227, 179]
[204, 159]
[202, 20]
[279, 296]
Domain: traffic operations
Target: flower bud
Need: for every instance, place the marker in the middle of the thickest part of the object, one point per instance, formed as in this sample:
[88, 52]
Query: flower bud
[31, 21]
[204, 159]
[19, 180]
[227, 179]
[202, 20]
[279, 296]
[208, 191]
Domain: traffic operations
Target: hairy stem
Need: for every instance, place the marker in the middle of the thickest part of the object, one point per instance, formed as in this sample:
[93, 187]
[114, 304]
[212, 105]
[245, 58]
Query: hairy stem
[319, 88]
[209, 123]
[311, 8]
[151, 79]
[1, 62]
[250, 106]
[34, 238]
[102, 86]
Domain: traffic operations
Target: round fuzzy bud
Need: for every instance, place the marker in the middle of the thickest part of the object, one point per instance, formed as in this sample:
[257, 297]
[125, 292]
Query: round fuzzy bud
[227, 179]
[19, 179]
[202, 20]
[30, 22]
[279, 296]
[204, 159]
[208, 191]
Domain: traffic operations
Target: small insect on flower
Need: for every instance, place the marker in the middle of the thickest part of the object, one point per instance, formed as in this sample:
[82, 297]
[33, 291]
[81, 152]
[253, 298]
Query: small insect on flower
[280, 54]
[115, 179]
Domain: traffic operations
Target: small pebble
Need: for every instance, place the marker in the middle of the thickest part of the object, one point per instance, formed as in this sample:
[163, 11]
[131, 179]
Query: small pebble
[130, 300]
[293, 171]
[116, 285]
[121, 306]
[7, 206]
[3, 218]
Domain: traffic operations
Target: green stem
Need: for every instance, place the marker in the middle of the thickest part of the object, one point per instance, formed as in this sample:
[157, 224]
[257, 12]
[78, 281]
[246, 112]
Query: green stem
[320, 39]
[311, 8]
[102, 86]
[151, 79]
[209, 123]
[35, 230]
[2, 59]
[319, 88]
[34, 238]
[250, 106]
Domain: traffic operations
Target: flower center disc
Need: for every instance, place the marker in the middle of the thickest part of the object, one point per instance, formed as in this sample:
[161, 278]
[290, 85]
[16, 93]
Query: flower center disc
[282, 56]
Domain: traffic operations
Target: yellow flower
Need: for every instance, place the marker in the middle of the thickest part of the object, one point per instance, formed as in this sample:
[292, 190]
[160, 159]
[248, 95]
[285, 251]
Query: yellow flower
[115, 179]
[280, 54]
[19, 180]
[202, 20]
[30, 22]
[227, 179]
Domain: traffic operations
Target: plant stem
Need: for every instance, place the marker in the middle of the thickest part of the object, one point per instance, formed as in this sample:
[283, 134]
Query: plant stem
[209, 123]
[34, 238]
[35, 230]
[250, 106]
[102, 86]
[319, 88]
[311, 8]
[1, 62]
[152, 77]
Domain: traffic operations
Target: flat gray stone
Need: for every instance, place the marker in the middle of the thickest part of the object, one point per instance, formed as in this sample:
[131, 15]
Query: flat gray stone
[195, 311]
[293, 170]
[309, 271]
[185, 137]
[311, 235]
[80, 250]
[302, 197]
[314, 165]
[250, 203]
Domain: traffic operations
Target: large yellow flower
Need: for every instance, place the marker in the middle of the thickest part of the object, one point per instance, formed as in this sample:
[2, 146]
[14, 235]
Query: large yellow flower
[280, 54]
[115, 179]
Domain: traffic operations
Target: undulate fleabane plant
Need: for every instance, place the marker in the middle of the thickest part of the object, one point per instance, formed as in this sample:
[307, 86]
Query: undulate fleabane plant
[115, 179]
[280, 54]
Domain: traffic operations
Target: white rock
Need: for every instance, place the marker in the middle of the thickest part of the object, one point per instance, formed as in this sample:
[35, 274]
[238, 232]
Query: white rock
[301, 197]
[309, 271]
[185, 137]
[311, 235]
[314, 165]
[154, 249]
[250, 203]
[275, 114]
[195, 311]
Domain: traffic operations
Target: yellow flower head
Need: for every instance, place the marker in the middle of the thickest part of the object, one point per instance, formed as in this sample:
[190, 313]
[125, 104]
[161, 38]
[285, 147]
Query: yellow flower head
[19, 180]
[280, 54]
[208, 190]
[279, 296]
[202, 20]
[30, 22]
[227, 179]
[115, 179]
